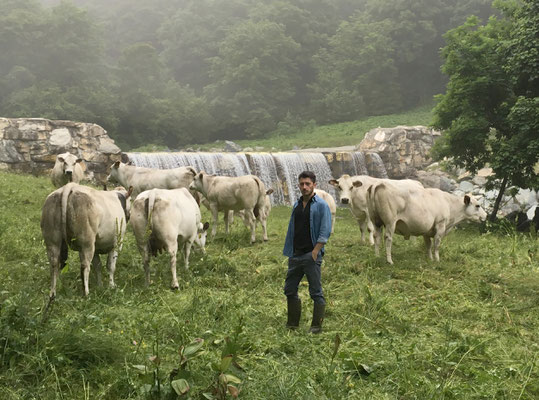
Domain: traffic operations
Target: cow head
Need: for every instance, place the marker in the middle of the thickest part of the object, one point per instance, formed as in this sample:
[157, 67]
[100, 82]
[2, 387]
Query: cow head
[114, 172]
[68, 162]
[200, 239]
[473, 210]
[123, 196]
[344, 185]
[198, 182]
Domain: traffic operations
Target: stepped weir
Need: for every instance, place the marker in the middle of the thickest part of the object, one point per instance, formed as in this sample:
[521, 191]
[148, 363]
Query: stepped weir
[278, 171]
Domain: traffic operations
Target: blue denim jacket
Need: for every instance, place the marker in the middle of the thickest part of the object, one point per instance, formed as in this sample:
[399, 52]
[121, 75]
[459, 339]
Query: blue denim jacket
[320, 221]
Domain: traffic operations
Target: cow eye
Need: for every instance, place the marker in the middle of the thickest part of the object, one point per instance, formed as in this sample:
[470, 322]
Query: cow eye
[477, 206]
[351, 187]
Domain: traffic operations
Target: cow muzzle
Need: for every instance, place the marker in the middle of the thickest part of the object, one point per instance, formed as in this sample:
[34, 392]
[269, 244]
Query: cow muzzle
[345, 200]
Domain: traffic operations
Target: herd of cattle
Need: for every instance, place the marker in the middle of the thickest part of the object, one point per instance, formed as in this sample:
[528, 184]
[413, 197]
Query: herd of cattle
[164, 209]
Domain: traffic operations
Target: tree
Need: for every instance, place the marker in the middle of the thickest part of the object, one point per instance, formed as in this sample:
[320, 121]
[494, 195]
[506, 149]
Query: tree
[254, 77]
[484, 118]
[356, 75]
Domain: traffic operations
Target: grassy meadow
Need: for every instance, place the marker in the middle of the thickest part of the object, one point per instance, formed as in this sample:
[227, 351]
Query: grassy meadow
[464, 328]
[331, 135]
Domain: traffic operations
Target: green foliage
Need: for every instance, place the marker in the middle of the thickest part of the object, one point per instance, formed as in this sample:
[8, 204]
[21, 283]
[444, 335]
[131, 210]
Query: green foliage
[463, 328]
[489, 112]
[357, 75]
[183, 71]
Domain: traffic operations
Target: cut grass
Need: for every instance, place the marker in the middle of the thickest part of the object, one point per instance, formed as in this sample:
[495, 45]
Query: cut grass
[464, 328]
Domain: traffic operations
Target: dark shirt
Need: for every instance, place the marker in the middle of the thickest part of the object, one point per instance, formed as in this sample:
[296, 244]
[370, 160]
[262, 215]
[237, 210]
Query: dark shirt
[302, 229]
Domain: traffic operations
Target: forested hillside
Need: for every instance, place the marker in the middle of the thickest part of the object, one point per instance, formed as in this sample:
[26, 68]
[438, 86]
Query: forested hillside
[173, 72]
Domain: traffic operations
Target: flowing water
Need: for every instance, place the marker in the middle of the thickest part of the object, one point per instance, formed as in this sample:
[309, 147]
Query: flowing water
[278, 171]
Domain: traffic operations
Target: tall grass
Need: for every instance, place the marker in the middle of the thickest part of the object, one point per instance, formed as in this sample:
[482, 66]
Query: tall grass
[464, 328]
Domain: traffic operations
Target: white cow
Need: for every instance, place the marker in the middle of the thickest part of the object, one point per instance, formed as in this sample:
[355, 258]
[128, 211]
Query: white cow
[331, 203]
[67, 168]
[162, 218]
[226, 193]
[426, 212]
[142, 179]
[89, 221]
[353, 191]
[243, 215]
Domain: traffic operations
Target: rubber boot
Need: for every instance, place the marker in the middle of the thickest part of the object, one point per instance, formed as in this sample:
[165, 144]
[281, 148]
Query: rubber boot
[318, 317]
[294, 313]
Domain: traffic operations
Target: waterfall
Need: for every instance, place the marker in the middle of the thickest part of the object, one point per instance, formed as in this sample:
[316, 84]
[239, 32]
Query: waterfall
[263, 166]
[228, 164]
[278, 171]
[376, 166]
[359, 163]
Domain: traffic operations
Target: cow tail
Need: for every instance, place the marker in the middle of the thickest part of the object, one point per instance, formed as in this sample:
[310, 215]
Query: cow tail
[65, 195]
[151, 203]
[148, 206]
[261, 196]
[379, 204]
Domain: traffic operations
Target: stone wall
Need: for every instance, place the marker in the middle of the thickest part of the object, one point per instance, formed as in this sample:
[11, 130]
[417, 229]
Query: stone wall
[403, 149]
[31, 144]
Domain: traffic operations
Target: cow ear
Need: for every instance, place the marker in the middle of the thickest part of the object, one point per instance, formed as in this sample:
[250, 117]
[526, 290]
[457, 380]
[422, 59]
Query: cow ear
[467, 199]
[116, 164]
[192, 170]
[206, 226]
[357, 184]
[79, 160]
[129, 192]
[269, 191]
[130, 163]
[333, 182]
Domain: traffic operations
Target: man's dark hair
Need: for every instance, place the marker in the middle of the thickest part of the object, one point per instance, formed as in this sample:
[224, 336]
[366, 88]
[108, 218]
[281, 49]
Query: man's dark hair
[307, 174]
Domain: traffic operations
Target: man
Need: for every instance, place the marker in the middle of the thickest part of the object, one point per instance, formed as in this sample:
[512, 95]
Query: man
[308, 230]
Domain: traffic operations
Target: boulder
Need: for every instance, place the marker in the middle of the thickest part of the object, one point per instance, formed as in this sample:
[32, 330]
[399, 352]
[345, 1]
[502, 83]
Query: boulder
[403, 149]
[31, 145]
[231, 147]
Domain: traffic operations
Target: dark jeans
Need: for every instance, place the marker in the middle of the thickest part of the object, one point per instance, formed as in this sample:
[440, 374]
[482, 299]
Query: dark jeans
[304, 265]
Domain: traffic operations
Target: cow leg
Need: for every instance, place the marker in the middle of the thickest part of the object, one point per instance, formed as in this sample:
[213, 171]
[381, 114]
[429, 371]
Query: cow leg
[252, 223]
[226, 218]
[86, 255]
[362, 228]
[440, 231]
[214, 213]
[96, 264]
[111, 266]
[173, 251]
[377, 238]
[370, 229]
[428, 245]
[145, 250]
[263, 221]
[186, 251]
[390, 230]
[54, 261]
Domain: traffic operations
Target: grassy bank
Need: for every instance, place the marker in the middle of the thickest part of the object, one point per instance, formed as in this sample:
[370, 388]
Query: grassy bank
[464, 328]
[334, 135]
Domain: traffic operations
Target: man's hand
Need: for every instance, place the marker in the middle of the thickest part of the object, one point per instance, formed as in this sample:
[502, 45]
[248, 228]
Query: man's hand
[316, 250]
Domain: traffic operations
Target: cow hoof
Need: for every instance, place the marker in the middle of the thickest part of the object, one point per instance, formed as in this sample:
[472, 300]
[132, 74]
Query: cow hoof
[175, 288]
